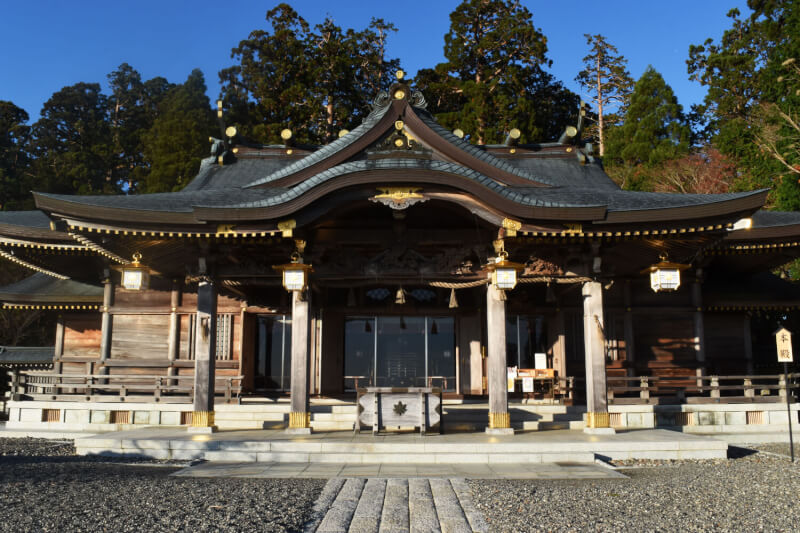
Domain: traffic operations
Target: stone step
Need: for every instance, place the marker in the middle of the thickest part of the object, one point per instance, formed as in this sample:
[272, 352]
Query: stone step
[387, 458]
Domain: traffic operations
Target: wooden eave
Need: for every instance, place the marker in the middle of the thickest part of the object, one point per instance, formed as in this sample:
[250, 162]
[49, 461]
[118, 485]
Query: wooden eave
[744, 206]
[791, 231]
[64, 208]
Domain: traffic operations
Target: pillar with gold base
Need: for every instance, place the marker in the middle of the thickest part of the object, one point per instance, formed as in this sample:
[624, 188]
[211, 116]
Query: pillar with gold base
[204, 358]
[499, 419]
[300, 416]
[597, 417]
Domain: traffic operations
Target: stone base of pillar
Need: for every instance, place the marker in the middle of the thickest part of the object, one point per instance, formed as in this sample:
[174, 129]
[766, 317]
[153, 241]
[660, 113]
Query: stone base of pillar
[499, 431]
[599, 431]
[499, 424]
[202, 422]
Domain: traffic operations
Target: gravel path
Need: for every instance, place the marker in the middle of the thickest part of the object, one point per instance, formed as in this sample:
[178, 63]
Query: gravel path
[44, 487]
[752, 492]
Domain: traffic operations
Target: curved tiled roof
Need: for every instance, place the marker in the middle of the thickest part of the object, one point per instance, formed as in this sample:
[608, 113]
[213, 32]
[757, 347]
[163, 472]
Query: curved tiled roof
[25, 219]
[237, 174]
[41, 288]
[516, 194]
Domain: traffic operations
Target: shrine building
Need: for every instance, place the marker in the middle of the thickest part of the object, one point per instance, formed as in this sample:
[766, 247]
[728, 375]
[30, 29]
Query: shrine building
[402, 257]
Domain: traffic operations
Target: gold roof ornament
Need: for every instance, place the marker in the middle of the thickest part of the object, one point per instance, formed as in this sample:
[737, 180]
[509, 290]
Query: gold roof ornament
[342, 133]
[458, 133]
[398, 198]
[400, 74]
[286, 134]
[230, 131]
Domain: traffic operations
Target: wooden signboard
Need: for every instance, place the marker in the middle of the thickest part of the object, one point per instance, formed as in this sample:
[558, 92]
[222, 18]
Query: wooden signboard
[783, 341]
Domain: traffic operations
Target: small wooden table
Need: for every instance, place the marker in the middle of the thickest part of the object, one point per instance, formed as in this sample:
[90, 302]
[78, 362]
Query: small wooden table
[385, 407]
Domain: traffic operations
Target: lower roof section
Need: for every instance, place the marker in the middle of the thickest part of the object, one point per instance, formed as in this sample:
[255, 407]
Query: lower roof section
[43, 289]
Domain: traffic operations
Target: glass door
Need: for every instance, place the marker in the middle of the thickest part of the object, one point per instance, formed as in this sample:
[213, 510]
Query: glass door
[399, 351]
[273, 352]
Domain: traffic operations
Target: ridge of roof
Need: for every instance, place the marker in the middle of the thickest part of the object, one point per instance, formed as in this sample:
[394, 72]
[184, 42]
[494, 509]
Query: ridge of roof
[476, 151]
[329, 149]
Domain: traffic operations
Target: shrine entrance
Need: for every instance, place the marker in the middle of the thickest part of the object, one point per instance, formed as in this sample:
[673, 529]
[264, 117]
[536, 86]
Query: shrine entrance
[400, 351]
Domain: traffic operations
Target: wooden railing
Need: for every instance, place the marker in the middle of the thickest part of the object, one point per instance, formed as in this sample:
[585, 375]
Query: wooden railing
[105, 387]
[700, 389]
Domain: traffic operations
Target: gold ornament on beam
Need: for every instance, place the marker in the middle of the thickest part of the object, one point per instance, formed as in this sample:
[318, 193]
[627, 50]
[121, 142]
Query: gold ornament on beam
[398, 197]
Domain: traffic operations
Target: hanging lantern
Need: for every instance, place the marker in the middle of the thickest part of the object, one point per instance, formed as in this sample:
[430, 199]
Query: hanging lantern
[135, 276]
[504, 272]
[295, 274]
[665, 276]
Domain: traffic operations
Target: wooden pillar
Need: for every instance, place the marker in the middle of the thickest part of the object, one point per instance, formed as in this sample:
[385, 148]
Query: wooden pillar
[595, 356]
[58, 352]
[499, 418]
[173, 342]
[106, 324]
[205, 348]
[630, 348]
[699, 328]
[559, 345]
[748, 344]
[300, 416]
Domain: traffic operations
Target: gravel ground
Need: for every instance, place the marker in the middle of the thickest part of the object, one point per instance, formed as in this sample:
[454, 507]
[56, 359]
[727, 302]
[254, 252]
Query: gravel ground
[750, 492]
[45, 487]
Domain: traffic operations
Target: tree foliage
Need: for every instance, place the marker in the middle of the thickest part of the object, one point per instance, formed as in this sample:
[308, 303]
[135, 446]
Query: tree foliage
[655, 130]
[494, 78]
[315, 81]
[608, 81]
[742, 112]
[14, 157]
[178, 138]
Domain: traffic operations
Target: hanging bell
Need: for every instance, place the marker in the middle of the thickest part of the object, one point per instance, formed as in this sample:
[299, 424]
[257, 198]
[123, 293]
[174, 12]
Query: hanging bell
[400, 298]
[453, 300]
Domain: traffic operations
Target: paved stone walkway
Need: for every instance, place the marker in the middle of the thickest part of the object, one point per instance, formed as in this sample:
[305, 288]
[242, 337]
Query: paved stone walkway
[360, 470]
[395, 505]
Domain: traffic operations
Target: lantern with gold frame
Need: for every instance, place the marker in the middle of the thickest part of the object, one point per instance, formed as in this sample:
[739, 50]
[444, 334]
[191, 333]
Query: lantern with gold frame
[295, 274]
[665, 276]
[504, 273]
[135, 276]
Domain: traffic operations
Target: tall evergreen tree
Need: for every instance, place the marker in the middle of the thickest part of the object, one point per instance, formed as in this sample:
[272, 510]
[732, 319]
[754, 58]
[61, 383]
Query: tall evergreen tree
[72, 143]
[316, 81]
[14, 157]
[608, 81]
[655, 129]
[178, 139]
[493, 79]
[133, 107]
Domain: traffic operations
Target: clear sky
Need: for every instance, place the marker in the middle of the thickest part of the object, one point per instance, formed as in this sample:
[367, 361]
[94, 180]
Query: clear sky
[48, 44]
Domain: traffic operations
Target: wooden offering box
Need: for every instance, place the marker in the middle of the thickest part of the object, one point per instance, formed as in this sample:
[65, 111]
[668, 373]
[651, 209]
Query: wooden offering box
[398, 407]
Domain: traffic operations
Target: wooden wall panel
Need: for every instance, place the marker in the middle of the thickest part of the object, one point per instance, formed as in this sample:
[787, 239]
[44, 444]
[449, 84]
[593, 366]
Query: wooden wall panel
[665, 344]
[140, 337]
[725, 351]
[82, 335]
[148, 298]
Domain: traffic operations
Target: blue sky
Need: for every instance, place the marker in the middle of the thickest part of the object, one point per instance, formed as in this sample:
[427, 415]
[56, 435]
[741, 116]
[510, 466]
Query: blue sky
[49, 44]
